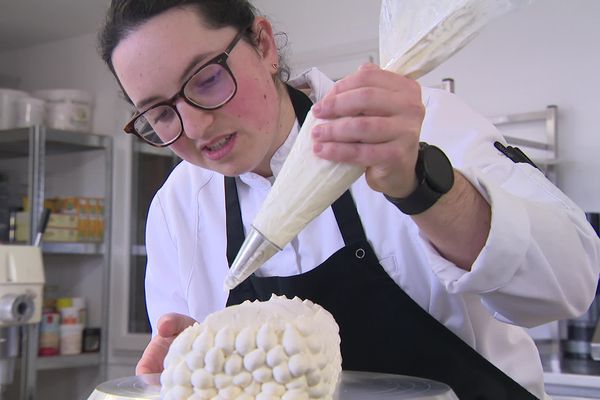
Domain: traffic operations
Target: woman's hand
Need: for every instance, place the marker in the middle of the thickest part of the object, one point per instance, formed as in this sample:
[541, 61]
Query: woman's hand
[373, 119]
[169, 326]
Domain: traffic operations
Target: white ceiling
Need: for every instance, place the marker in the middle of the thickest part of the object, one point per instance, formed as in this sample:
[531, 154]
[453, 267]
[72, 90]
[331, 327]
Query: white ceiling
[25, 23]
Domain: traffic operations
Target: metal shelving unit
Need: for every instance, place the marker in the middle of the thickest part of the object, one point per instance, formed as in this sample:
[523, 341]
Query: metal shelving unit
[35, 144]
[74, 361]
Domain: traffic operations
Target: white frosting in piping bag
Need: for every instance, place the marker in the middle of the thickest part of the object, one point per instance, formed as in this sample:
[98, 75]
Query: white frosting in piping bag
[305, 186]
[415, 37]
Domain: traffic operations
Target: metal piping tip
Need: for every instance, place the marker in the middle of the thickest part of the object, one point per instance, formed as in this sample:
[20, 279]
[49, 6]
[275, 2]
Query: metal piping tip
[255, 251]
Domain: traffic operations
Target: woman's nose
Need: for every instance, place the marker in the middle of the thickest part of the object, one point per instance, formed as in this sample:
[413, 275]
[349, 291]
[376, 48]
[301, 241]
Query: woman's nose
[195, 120]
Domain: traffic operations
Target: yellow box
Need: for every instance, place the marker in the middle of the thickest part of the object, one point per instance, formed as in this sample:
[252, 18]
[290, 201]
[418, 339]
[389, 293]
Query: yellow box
[55, 220]
[50, 235]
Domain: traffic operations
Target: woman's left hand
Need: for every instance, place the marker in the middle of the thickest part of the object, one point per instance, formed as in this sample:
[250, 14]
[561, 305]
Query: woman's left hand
[373, 118]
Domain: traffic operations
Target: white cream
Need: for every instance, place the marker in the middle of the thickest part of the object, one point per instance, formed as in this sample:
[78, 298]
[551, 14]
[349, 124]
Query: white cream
[279, 349]
[305, 186]
[415, 36]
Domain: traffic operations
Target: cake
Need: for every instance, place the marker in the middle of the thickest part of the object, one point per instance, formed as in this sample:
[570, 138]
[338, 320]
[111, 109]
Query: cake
[286, 349]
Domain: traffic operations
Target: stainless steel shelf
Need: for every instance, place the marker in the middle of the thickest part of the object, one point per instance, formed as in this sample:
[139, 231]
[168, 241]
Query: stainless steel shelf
[14, 143]
[74, 361]
[74, 248]
[34, 144]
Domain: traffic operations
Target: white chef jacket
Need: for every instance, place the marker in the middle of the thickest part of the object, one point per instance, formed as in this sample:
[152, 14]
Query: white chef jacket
[540, 262]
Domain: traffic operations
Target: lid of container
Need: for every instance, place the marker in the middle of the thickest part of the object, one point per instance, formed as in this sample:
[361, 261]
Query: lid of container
[64, 95]
[13, 93]
[31, 100]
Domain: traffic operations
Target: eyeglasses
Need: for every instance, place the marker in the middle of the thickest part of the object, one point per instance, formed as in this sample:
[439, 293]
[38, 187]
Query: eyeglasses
[209, 88]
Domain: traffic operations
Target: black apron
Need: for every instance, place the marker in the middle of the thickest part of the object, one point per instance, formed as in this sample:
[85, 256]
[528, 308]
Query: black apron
[381, 328]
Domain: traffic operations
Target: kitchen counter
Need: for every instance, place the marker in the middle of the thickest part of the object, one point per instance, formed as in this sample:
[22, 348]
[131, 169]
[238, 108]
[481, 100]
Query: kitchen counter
[568, 376]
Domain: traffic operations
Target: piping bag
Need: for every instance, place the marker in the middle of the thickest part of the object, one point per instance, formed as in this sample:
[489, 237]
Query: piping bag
[415, 36]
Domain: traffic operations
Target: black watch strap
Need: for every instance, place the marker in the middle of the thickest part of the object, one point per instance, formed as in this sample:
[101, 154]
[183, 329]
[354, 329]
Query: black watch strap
[435, 177]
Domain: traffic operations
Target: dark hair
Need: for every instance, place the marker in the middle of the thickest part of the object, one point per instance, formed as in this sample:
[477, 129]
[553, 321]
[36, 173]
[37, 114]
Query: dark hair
[124, 16]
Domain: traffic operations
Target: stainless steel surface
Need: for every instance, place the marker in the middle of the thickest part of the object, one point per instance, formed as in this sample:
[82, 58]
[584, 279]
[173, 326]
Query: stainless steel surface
[255, 251]
[555, 360]
[567, 375]
[16, 308]
[352, 386]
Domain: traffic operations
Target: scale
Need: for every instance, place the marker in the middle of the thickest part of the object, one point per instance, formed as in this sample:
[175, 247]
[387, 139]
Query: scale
[353, 385]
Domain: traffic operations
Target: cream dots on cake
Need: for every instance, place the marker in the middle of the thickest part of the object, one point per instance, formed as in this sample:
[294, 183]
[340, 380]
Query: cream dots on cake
[286, 349]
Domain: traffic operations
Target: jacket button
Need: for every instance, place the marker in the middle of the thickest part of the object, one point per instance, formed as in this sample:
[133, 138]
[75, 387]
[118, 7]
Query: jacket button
[360, 254]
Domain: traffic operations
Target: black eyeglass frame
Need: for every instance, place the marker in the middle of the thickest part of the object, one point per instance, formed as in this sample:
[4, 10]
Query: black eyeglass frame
[220, 59]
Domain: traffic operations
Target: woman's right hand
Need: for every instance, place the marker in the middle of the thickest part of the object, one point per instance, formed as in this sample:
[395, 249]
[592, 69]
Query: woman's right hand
[169, 326]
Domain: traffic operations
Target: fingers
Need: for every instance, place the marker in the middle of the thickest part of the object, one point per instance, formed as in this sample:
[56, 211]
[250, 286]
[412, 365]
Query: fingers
[153, 356]
[359, 153]
[365, 129]
[169, 326]
[370, 91]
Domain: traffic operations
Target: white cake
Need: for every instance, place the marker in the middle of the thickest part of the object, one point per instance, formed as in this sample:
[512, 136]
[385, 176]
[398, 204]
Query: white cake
[277, 349]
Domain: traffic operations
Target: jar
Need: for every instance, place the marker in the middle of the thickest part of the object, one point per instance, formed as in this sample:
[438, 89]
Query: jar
[79, 304]
[70, 316]
[71, 337]
[49, 334]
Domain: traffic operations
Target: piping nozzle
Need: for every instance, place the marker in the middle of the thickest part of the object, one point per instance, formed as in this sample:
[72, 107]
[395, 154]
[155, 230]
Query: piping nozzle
[255, 251]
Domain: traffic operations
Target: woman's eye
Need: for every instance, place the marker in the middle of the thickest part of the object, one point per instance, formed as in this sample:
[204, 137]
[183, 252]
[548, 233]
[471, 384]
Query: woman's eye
[208, 81]
[163, 116]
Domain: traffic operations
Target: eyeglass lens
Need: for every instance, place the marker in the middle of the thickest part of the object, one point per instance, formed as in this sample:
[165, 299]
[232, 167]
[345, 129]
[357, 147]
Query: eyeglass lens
[209, 88]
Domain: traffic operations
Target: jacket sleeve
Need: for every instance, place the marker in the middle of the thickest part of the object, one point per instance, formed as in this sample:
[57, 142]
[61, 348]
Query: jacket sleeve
[164, 293]
[542, 258]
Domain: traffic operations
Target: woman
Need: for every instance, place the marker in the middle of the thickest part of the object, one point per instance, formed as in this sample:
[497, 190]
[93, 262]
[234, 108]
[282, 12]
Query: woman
[437, 264]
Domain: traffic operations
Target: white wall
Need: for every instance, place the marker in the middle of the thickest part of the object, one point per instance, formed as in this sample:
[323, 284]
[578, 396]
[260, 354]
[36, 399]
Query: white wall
[546, 53]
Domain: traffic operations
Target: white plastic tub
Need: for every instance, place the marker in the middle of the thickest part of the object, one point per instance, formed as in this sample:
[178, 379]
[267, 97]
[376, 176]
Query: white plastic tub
[8, 103]
[67, 109]
[29, 111]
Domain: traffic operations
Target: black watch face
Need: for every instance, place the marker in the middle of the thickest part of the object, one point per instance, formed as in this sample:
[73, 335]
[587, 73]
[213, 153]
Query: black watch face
[438, 169]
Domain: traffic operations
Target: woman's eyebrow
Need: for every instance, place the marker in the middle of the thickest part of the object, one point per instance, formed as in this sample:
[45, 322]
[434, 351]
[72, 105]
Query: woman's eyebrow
[188, 70]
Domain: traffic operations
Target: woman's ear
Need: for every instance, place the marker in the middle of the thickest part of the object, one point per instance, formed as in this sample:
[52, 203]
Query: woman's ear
[265, 42]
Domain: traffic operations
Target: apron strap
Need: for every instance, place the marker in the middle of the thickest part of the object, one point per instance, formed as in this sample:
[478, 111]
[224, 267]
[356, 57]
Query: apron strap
[235, 228]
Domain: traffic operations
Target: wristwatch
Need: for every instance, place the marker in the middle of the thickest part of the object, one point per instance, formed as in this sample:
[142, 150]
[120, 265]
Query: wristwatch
[435, 177]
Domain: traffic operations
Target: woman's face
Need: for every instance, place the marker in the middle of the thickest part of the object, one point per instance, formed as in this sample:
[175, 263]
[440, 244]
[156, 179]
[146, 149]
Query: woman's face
[154, 61]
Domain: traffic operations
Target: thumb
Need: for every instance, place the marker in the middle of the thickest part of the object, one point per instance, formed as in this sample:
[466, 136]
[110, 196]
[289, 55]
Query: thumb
[173, 324]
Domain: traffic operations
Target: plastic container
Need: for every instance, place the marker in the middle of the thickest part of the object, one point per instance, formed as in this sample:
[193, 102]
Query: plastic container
[71, 338]
[67, 109]
[79, 304]
[29, 111]
[91, 340]
[64, 302]
[49, 334]
[70, 316]
[8, 103]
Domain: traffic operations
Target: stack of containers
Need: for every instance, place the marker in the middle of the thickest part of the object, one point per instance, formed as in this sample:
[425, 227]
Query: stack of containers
[8, 107]
[67, 109]
[29, 111]
[73, 319]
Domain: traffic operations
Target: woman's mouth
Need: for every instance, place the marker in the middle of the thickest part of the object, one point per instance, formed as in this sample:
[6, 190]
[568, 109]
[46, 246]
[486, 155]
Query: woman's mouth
[219, 149]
